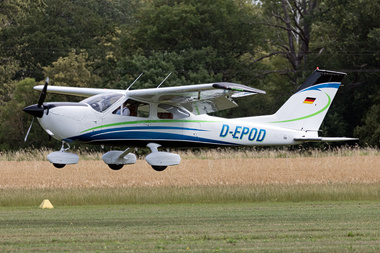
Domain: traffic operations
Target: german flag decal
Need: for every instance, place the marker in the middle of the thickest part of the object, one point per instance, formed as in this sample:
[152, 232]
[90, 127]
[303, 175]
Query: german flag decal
[309, 100]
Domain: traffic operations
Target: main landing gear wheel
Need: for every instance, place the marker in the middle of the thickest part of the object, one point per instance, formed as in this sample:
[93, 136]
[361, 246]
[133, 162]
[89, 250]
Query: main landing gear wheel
[59, 165]
[159, 168]
[115, 166]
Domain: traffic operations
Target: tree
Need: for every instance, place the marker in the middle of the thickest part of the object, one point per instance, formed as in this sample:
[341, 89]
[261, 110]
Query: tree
[73, 70]
[175, 25]
[349, 32]
[199, 41]
[45, 35]
[13, 11]
[8, 68]
[15, 124]
[187, 67]
[290, 22]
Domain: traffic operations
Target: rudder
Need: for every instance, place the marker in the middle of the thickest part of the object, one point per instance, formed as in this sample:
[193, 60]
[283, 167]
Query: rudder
[306, 109]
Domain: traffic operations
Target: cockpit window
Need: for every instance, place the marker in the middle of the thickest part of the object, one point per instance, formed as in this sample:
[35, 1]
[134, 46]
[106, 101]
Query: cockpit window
[102, 102]
[171, 112]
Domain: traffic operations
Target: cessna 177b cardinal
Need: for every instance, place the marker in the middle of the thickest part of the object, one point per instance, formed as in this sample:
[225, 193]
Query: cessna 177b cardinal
[176, 117]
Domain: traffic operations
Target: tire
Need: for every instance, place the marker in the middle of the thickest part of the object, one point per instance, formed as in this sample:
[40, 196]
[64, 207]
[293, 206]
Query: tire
[59, 165]
[159, 168]
[116, 166]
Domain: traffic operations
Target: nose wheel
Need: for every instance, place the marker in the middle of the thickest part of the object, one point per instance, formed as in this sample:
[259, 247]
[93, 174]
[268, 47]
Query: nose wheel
[63, 149]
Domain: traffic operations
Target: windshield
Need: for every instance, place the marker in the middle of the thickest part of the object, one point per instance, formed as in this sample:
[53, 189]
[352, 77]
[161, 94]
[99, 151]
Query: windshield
[102, 102]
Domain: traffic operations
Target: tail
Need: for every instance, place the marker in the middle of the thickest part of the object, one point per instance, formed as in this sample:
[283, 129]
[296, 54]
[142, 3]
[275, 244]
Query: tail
[306, 109]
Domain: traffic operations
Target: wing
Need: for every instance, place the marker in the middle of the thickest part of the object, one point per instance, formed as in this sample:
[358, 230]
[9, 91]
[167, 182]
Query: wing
[76, 91]
[199, 98]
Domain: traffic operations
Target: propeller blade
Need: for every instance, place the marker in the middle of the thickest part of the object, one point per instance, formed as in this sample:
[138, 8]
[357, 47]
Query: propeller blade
[43, 93]
[26, 137]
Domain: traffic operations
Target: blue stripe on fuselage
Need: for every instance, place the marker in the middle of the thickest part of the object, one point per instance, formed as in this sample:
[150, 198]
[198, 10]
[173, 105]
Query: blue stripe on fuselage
[145, 133]
[146, 136]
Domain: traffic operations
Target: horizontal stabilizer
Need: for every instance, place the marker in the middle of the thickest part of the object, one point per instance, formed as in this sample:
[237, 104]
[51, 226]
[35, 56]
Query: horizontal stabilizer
[325, 139]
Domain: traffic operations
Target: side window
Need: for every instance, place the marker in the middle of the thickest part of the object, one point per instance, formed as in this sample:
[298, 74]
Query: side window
[165, 111]
[133, 108]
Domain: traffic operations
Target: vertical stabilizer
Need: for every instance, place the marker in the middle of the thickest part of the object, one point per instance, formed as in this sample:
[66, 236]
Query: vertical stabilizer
[306, 109]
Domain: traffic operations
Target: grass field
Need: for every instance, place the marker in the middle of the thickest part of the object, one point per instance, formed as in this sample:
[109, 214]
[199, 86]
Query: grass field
[242, 201]
[212, 168]
[211, 179]
[244, 227]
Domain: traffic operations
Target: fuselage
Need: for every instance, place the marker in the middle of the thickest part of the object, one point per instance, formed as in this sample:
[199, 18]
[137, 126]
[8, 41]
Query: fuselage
[168, 125]
[178, 117]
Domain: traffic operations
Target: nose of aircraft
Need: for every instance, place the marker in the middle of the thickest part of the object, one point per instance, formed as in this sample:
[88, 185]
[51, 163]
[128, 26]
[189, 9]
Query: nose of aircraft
[35, 110]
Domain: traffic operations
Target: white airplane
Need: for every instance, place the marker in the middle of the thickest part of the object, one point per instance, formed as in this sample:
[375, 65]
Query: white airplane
[176, 117]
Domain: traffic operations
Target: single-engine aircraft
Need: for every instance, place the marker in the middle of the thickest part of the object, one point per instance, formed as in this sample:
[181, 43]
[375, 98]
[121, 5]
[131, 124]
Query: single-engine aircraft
[177, 117]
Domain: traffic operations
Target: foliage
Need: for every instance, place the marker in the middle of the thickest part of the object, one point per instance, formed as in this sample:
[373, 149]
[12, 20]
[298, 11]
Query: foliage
[13, 11]
[73, 70]
[290, 36]
[350, 43]
[45, 35]
[197, 41]
[14, 127]
[370, 131]
[187, 67]
[8, 68]
[177, 25]
[223, 25]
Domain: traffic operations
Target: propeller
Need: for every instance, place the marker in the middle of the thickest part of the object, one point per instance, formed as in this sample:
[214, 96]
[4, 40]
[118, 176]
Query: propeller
[27, 133]
[37, 110]
[42, 97]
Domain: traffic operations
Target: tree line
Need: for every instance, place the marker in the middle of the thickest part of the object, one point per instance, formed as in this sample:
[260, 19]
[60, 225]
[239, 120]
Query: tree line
[273, 45]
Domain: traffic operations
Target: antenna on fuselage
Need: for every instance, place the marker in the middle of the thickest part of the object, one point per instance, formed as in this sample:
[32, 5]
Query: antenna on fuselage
[135, 81]
[164, 80]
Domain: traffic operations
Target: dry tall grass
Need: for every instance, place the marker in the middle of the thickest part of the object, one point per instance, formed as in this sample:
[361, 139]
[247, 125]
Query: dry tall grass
[208, 168]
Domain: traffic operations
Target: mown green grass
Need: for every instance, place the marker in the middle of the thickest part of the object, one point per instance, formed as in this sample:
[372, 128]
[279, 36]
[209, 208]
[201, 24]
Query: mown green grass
[234, 227]
[192, 194]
